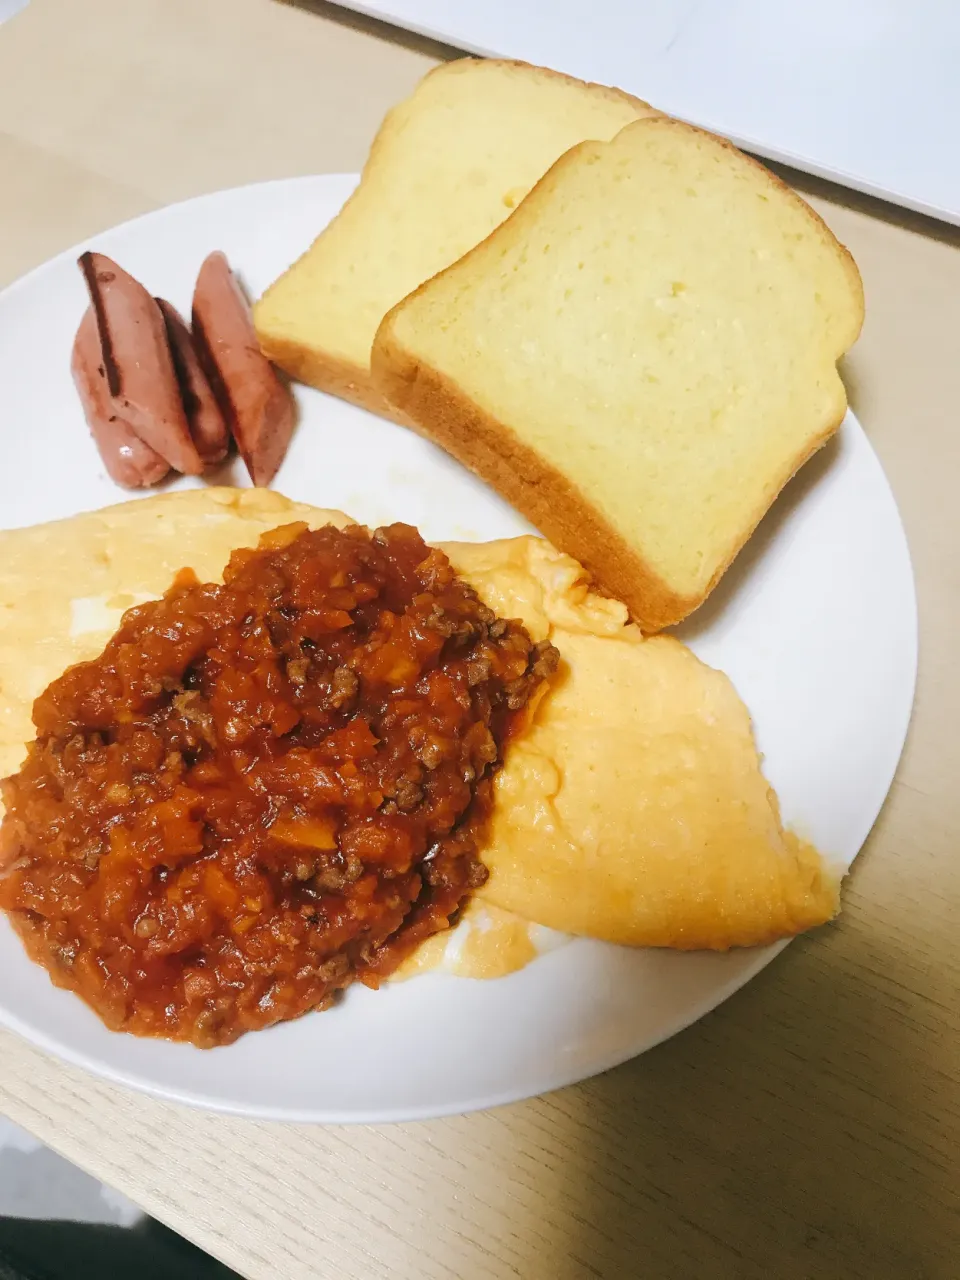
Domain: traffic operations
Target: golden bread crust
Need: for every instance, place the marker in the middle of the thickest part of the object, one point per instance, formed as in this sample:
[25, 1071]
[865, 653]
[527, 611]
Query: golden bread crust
[545, 496]
[330, 374]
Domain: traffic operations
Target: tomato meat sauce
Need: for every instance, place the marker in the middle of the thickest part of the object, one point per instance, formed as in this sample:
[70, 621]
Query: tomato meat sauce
[264, 789]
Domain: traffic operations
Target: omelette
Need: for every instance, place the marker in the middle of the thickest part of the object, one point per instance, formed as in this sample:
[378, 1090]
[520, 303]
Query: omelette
[631, 808]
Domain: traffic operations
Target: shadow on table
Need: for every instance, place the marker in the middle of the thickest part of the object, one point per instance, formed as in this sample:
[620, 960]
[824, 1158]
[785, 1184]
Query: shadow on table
[800, 1133]
[36, 1250]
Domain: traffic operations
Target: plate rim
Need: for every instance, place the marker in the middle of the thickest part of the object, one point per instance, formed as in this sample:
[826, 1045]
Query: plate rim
[304, 179]
[554, 1080]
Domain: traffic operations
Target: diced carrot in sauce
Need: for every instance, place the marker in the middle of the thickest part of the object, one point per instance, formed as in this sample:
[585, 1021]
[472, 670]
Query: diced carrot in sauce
[263, 790]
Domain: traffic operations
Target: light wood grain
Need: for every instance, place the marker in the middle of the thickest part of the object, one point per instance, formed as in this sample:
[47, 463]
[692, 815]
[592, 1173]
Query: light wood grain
[810, 1127]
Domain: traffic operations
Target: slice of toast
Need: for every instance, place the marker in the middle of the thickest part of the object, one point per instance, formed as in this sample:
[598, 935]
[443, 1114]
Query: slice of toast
[446, 167]
[638, 359]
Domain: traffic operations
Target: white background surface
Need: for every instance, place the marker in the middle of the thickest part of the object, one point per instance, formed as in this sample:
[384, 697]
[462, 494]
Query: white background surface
[36, 1183]
[866, 92]
[9, 7]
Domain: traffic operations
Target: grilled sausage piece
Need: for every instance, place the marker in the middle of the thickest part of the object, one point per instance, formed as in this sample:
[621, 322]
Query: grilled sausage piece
[258, 407]
[207, 427]
[127, 459]
[138, 366]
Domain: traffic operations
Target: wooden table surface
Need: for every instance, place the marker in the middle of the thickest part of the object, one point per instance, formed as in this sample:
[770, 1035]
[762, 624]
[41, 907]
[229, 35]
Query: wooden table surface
[810, 1127]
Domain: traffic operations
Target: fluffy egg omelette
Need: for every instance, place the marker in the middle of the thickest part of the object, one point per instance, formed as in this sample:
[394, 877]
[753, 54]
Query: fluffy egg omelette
[631, 808]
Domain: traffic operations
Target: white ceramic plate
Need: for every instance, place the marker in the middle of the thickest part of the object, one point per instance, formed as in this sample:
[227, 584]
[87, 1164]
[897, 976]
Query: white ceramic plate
[816, 624]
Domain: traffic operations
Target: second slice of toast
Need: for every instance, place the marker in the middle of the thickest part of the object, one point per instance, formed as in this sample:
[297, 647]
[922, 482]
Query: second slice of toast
[638, 359]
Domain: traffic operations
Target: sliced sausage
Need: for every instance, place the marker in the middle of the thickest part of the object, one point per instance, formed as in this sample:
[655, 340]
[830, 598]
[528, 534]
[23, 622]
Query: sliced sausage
[258, 407]
[128, 460]
[207, 427]
[138, 365]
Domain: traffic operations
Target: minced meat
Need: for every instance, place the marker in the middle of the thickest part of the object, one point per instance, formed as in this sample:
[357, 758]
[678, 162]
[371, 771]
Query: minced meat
[264, 789]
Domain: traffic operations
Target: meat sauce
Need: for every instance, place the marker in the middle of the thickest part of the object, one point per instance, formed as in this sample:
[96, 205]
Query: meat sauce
[264, 789]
